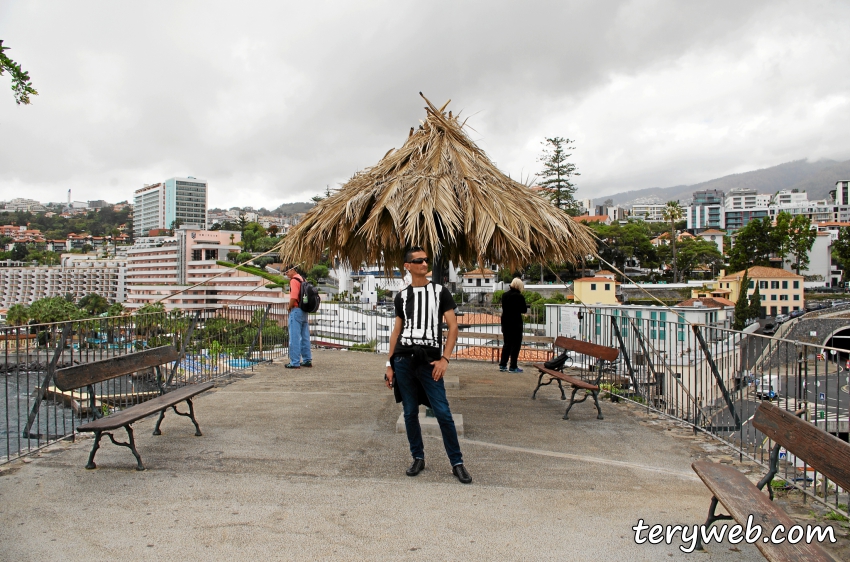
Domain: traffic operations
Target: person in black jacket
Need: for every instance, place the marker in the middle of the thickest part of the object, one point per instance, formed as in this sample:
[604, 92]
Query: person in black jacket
[513, 307]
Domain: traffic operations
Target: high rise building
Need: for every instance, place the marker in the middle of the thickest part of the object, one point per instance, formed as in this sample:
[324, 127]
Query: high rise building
[159, 205]
[163, 265]
[842, 192]
[706, 211]
[741, 198]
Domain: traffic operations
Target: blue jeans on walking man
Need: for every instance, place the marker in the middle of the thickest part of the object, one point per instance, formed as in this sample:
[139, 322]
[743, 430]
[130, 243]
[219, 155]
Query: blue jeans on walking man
[299, 338]
[407, 376]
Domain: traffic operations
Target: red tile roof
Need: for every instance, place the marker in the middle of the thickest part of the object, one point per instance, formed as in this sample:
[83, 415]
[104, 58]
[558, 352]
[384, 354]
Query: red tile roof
[761, 272]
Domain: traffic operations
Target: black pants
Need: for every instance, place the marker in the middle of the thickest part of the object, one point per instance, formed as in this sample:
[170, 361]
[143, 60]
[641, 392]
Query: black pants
[513, 341]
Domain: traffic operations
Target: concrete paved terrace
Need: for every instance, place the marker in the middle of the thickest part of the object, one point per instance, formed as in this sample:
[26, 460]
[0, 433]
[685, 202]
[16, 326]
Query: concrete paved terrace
[307, 465]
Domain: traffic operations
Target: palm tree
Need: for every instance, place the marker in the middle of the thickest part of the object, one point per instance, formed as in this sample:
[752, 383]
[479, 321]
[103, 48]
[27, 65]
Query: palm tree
[18, 315]
[673, 213]
[441, 192]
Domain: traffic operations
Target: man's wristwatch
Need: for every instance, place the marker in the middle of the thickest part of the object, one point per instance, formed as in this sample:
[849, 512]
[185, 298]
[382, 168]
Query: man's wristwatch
[389, 364]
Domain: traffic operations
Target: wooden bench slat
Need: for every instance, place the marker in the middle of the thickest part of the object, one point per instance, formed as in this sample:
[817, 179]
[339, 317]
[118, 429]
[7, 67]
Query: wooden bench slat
[741, 498]
[587, 348]
[85, 374]
[145, 409]
[824, 452]
[575, 381]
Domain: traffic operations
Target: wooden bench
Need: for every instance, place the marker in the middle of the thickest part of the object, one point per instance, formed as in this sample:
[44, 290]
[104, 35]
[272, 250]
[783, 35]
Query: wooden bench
[89, 374]
[599, 352]
[825, 453]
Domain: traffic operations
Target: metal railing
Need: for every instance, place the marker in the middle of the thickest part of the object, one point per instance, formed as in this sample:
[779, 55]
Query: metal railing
[708, 376]
[212, 344]
[714, 378]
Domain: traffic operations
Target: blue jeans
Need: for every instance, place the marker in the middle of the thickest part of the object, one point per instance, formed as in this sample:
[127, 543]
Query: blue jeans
[299, 338]
[408, 378]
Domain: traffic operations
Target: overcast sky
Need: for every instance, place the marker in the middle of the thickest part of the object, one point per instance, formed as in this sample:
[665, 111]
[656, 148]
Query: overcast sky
[272, 101]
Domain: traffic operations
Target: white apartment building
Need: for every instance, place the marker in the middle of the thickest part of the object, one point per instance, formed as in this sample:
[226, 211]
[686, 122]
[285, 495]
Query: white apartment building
[163, 265]
[23, 204]
[842, 192]
[148, 209]
[790, 198]
[176, 199]
[817, 211]
[742, 198]
[663, 328]
[78, 276]
[649, 212]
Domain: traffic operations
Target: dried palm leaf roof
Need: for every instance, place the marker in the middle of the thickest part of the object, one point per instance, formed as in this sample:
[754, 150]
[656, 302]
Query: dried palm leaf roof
[441, 192]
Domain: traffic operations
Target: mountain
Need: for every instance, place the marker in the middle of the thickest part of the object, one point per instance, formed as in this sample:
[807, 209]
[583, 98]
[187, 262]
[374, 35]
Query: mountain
[816, 178]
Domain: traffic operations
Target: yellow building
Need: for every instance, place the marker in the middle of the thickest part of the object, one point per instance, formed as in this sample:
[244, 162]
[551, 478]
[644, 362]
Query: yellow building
[595, 290]
[781, 291]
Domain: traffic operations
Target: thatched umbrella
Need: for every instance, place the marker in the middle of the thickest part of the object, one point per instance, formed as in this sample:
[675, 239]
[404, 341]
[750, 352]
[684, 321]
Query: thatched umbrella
[441, 192]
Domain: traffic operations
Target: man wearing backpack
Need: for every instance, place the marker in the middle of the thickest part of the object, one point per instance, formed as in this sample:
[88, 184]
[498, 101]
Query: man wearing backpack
[299, 329]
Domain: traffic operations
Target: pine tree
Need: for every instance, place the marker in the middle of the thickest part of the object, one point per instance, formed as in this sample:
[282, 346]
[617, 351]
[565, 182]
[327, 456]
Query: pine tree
[557, 172]
[755, 304]
[742, 309]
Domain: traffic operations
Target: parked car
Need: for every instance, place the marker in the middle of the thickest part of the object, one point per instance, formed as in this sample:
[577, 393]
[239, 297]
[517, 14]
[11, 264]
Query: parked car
[780, 318]
[769, 329]
[796, 313]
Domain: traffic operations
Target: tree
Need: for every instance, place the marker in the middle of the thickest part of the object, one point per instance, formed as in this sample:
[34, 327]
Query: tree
[21, 84]
[20, 252]
[696, 251]
[742, 308]
[801, 238]
[755, 303]
[673, 213]
[557, 173]
[841, 250]
[94, 304]
[318, 272]
[252, 232]
[115, 309]
[758, 241]
[18, 315]
[53, 309]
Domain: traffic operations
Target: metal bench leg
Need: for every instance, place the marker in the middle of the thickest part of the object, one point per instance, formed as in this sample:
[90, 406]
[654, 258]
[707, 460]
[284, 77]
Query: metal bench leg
[95, 447]
[596, 401]
[539, 384]
[551, 380]
[190, 415]
[712, 517]
[572, 401]
[156, 430]
[131, 444]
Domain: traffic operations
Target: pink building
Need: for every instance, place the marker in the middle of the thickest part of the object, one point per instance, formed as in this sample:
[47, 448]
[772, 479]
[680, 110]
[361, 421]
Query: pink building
[162, 265]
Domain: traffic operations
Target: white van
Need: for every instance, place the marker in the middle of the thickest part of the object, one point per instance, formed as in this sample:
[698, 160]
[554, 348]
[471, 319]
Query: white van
[768, 387]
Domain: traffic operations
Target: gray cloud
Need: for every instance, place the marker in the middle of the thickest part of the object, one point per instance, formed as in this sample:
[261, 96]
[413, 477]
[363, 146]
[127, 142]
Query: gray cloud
[272, 102]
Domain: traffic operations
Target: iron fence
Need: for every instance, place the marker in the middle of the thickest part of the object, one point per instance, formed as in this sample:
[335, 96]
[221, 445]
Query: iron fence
[708, 376]
[714, 378]
[212, 344]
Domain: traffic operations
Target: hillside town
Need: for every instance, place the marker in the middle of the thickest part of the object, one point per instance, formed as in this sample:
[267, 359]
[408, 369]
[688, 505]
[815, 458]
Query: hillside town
[135, 254]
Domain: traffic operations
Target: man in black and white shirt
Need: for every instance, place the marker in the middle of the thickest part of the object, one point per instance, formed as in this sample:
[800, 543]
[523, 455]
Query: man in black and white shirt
[418, 361]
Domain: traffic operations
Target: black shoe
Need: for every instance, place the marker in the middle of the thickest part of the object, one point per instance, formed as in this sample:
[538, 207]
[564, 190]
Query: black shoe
[417, 467]
[288, 366]
[461, 473]
[308, 364]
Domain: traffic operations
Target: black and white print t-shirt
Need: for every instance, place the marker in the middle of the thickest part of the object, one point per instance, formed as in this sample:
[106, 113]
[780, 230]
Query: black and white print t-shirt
[422, 309]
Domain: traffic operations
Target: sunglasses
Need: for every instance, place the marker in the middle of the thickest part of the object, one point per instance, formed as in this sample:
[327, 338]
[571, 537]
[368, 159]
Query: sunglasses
[417, 261]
